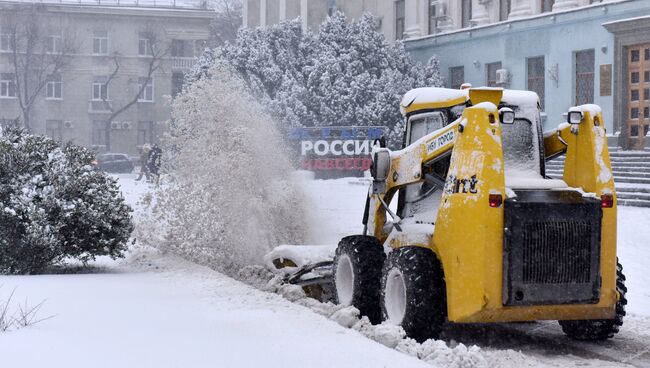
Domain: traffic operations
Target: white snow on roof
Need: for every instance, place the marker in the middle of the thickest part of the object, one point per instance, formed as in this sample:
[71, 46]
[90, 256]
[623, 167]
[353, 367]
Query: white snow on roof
[134, 4]
[489, 106]
[432, 94]
[519, 98]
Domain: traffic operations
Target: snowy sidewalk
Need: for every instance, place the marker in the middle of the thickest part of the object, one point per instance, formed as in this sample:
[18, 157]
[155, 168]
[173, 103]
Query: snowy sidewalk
[182, 316]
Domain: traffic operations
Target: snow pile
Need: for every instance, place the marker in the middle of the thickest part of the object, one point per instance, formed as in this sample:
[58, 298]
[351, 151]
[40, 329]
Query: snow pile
[229, 198]
[435, 352]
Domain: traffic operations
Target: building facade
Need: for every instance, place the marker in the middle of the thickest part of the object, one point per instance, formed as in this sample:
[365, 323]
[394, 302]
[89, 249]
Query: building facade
[108, 70]
[570, 52]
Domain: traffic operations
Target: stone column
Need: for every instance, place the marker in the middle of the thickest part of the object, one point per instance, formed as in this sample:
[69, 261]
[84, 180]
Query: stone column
[411, 23]
[520, 9]
[480, 15]
[262, 13]
[283, 10]
[564, 4]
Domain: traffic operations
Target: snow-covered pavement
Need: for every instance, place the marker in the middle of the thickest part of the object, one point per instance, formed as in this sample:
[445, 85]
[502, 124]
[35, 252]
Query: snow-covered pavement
[159, 311]
[181, 315]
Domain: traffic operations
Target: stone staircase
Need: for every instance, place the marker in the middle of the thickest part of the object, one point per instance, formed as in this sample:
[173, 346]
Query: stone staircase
[631, 175]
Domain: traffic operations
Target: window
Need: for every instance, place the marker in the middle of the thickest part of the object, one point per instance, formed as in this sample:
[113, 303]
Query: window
[634, 113]
[53, 129]
[145, 132]
[99, 133]
[182, 48]
[53, 45]
[144, 45]
[177, 83]
[331, 7]
[634, 56]
[646, 113]
[456, 76]
[634, 95]
[100, 42]
[634, 130]
[7, 85]
[547, 5]
[147, 92]
[535, 77]
[466, 13]
[646, 76]
[634, 77]
[492, 73]
[53, 87]
[6, 43]
[100, 88]
[400, 10]
[504, 9]
[646, 94]
[433, 20]
[585, 77]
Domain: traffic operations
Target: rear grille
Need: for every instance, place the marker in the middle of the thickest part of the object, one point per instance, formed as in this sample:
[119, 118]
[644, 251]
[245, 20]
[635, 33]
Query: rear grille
[551, 248]
[556, 252]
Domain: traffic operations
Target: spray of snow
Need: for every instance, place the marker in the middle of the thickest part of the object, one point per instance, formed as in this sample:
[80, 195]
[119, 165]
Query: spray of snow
[229, 198]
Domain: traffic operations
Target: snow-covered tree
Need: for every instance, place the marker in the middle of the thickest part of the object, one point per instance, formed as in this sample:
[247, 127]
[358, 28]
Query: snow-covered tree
[346, 74]
[228, 199]
[54, 205]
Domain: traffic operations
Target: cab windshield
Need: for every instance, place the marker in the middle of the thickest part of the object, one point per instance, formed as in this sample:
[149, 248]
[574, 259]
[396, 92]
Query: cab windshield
[423, 124]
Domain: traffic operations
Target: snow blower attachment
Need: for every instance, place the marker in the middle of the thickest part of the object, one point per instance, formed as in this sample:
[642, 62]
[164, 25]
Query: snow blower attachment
[480, 233]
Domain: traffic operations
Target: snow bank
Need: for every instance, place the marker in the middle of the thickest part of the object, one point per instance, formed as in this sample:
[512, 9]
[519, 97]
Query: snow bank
[434, 352]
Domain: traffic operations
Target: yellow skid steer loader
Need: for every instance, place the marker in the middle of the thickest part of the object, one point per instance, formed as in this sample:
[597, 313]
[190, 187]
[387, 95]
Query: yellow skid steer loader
[480, 233]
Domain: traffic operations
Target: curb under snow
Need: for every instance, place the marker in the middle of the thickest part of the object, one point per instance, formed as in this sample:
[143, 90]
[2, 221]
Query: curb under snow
[434, 352]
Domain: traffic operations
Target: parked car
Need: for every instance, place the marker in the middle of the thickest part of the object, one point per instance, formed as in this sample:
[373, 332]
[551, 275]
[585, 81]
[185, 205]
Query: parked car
[115, 163]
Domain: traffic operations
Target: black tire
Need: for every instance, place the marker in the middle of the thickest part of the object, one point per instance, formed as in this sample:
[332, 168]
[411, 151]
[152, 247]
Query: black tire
[600, 329]
[423, 278]
[366, 258]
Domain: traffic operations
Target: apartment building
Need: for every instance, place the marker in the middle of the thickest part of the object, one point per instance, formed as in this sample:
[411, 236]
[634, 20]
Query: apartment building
[121, 56]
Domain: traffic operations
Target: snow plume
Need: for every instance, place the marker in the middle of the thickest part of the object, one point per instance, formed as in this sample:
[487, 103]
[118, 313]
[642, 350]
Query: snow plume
[228, 199]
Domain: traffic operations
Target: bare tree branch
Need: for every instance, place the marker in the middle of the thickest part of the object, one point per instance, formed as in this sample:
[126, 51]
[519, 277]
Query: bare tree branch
[157, 51]
[33, 63]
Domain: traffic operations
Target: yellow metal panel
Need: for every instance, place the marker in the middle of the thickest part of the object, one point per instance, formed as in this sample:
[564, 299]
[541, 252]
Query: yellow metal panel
[468, 234]
[587, 166]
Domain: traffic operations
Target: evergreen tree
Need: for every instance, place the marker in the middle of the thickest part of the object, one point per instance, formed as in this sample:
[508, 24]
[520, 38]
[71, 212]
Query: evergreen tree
[346, 74]
[54, 204]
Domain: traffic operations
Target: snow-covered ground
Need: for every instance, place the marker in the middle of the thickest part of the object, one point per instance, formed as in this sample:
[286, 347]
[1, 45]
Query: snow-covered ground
[159, 311]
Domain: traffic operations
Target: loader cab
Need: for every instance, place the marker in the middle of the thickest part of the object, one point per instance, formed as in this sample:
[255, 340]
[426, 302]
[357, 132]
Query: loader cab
[523, 141]
[429, 109]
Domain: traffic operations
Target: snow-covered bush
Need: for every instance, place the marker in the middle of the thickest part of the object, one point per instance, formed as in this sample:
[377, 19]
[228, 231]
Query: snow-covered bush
[228, 198]
[346, 74]
[54, 205]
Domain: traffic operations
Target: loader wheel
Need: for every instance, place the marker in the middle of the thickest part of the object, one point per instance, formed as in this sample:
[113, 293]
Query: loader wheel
[413, 292]
[357, 274]
[600, 329]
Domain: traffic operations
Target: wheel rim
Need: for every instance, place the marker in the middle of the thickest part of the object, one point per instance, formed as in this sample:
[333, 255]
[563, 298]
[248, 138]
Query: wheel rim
[344, 280]
[395, 297]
